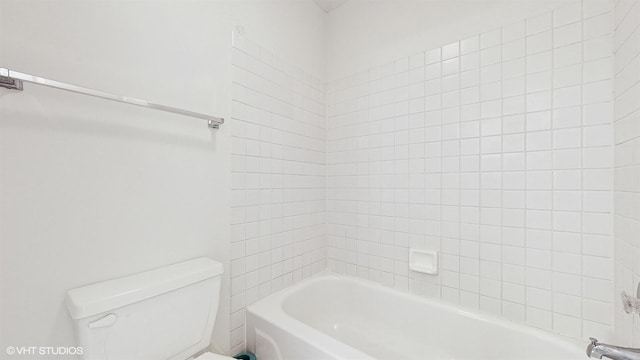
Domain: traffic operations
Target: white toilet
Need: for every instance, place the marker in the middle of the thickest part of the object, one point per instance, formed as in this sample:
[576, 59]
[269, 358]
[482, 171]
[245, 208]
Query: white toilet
[166, 313]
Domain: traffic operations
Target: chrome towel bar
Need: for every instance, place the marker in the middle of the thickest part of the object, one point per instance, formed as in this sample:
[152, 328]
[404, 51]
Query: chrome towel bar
[11, 79]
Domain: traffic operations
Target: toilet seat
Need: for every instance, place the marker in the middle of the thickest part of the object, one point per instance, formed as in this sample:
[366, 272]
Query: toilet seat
[212, 356]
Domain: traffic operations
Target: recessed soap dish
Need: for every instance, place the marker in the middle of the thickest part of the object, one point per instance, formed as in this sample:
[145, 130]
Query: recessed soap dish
[423, 261]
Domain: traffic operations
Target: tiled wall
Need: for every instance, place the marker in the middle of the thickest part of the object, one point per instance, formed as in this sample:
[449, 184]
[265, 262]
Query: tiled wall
[627, 163]
[496, 151]
[278, 168]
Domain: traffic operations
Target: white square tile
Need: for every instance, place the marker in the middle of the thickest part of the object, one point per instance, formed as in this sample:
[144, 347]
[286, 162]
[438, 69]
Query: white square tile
[470, 61]
[598, 136]
[491, 38]
[514, 31]
[469, 45]
[596, 92]
[489, 56]
[598, 201]
[469, 78]
[540, 140]
[490, 73]
[567, 34]
[567, 55]
[598, 157]
[598, 311]
[567, 159]
[490, 91]
[567, 200]
[539, 82]
[567, 76]
[470, 95]
[432, 71]
[450, 51]
[539, 23]
[451, 66]
[598, 26]
[513, 68]
[567, 117]
[540, 120]
[598, 47]
[513, 86]
[539, 42]
[592, 8]
[598, 70]
[539, 101]
[599, 113]
[513, 49]
[513, 105]
[539, 62]
[567, 14]
[567, 96]
[433, 56]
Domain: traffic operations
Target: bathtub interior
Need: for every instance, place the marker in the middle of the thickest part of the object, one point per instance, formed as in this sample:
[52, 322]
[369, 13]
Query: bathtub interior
[387, 324]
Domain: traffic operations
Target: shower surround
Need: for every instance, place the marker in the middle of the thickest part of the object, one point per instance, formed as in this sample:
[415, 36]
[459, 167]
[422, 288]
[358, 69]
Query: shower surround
[278, 231]
[496, 150]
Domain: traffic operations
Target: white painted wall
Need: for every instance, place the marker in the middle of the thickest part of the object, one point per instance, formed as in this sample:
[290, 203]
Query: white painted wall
[92, 190]
[365, 33]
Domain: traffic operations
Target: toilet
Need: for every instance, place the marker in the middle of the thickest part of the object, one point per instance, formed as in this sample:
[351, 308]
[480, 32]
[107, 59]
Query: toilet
[165, 313]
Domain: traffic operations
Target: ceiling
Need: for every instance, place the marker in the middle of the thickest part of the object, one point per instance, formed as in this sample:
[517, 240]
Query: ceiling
[329, 5]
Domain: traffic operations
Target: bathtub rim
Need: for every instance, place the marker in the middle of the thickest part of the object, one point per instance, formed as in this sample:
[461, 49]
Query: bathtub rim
[271, 309]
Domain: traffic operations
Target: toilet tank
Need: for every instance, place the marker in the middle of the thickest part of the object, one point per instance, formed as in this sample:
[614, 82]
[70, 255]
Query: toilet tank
[165, 313]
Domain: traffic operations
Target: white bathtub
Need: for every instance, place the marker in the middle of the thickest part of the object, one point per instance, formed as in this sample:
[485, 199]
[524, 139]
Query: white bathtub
[334, 317]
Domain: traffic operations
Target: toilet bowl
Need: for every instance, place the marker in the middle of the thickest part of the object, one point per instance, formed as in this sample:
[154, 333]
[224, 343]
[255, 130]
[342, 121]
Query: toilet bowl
[165, 313]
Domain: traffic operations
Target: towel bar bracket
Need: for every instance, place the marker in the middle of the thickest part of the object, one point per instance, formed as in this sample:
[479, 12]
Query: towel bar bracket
[10, 83]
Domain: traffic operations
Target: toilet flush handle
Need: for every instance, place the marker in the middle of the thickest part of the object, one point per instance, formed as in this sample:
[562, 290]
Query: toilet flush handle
[104, 321]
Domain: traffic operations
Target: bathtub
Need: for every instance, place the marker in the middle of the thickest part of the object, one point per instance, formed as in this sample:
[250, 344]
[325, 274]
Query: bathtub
[335, 317]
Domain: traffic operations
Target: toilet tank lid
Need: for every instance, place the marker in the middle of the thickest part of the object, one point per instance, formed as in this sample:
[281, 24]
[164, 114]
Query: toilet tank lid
[111, 294]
